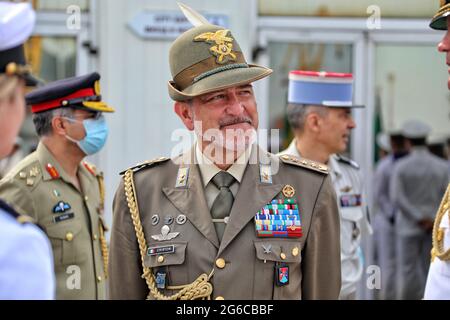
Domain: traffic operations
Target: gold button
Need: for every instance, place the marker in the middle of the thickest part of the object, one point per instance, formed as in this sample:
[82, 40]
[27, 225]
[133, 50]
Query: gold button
[99, 279]
[86, 198]
[282, 256]
[95, 237]
[220, 298]
[69, 236]
[11, 68]
[220, 263]
[295, 252]
[64, 102]
[161, 259]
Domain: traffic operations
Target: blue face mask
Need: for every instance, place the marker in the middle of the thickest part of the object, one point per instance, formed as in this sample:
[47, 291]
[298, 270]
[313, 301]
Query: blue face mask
[96, 135]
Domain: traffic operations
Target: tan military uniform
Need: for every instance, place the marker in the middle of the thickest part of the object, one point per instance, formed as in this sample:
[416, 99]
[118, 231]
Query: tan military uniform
[39, 187]
[172, 197]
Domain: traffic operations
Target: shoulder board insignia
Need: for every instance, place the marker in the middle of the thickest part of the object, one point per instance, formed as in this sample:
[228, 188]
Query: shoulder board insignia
[24, 219]
[305, 163]
[145, 164]
[90, 167]
[20, 218]
[348, 161]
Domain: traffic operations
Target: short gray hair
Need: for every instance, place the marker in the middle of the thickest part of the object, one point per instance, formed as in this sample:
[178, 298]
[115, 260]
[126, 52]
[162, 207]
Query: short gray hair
[297, 113]
[43, 120]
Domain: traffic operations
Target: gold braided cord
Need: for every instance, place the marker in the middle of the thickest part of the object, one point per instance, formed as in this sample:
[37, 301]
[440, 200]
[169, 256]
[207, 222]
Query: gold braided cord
[101, 186]
[438, 241]
[199, 289]
[104, 247]
[102, 238]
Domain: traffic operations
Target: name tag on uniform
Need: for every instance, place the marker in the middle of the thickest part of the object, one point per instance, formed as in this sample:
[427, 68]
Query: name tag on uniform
[63, 217]
[350, 200]
[160, 250]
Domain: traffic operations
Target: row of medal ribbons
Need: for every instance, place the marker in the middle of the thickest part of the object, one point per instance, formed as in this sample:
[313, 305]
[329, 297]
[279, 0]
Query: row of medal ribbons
[280, 218]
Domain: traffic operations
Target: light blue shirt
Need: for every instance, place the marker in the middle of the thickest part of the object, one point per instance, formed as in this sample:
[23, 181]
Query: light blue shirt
[26, 261]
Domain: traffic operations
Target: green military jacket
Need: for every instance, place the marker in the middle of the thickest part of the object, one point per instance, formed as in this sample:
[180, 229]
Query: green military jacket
[178, 242]
[38, 186]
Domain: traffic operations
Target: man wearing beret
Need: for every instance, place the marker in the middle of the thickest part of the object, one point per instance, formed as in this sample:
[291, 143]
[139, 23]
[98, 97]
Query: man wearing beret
[63, 193]
[224, 220]
[438, 282]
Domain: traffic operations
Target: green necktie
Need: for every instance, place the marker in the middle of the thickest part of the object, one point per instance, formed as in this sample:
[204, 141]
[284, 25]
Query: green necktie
[221, 206]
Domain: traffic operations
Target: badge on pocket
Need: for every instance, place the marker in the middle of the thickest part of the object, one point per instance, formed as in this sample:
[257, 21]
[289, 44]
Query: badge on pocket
[281, 274]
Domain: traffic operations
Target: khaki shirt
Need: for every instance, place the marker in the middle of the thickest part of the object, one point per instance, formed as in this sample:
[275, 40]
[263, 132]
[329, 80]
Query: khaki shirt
[38, 186]
[208, 170]
[244, 265]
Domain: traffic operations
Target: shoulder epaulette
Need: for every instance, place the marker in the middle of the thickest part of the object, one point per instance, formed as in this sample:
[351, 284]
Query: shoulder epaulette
[145, 164]
[348, 161]
[28, 174]
[20, 218]
[305, 163]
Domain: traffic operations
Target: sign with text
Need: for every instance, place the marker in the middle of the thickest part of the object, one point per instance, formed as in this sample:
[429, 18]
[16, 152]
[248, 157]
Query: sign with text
[168, 24]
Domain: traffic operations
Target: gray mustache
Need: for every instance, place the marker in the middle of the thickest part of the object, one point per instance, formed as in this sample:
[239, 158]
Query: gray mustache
[236, 120]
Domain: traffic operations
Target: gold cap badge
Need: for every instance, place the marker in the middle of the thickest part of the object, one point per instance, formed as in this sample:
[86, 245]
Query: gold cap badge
[223, 45]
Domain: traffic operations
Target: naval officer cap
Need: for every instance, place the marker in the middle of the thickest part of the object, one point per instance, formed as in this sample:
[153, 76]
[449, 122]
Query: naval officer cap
[415, 129]
[81, 92]
[16, 24]
[439, 21]
[328, 89]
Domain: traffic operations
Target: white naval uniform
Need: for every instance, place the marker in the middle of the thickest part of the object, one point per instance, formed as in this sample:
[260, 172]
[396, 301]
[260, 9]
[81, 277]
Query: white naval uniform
[354, 220]
[438, 282]
[26, 261]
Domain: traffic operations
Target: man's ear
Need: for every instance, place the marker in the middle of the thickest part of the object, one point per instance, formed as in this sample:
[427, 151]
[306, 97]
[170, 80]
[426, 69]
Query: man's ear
[186, 113]
[312, 122]
[58, 126]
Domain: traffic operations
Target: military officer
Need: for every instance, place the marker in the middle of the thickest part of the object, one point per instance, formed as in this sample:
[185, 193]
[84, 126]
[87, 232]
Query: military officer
[319, 111]
[63, 193]
[417, 184]
[224, 220]
[26, 264]
[438, 282]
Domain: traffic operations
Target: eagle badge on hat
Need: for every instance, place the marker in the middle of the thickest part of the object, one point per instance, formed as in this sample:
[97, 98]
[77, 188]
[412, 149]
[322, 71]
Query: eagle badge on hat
[223, 45]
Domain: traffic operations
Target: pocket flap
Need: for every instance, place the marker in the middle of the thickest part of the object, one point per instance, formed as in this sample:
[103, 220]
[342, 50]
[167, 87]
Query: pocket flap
[165, 254]
[62, 229]
[278, 250]
[352, 214]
